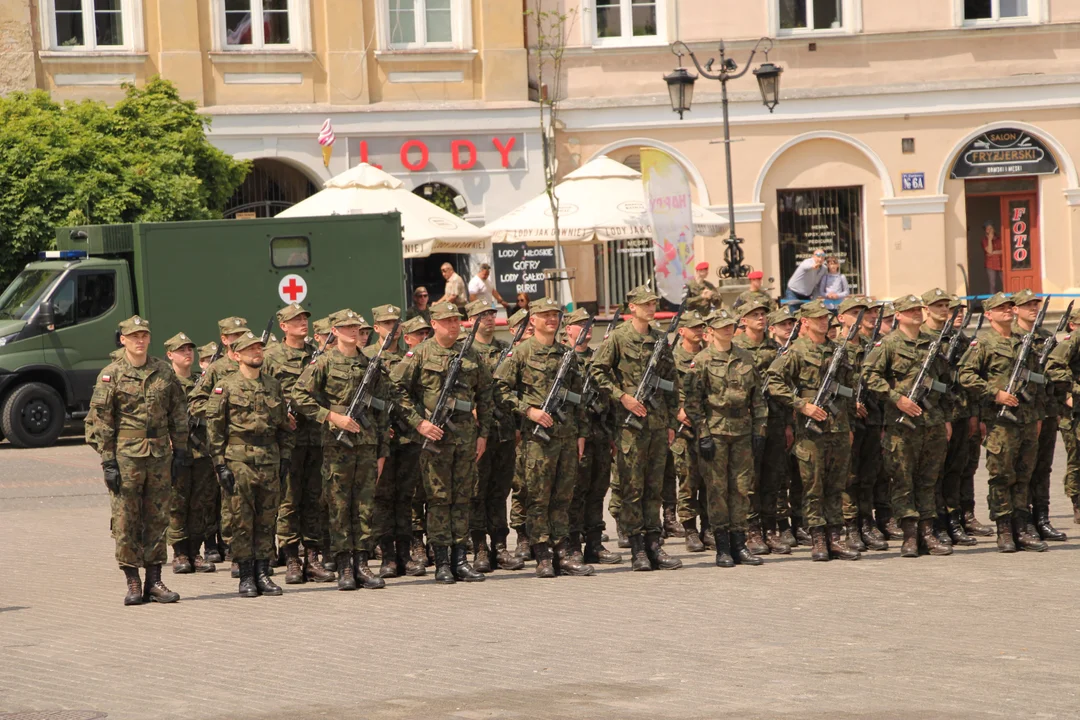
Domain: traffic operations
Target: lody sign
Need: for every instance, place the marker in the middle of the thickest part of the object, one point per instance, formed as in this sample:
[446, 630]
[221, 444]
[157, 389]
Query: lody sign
[440, 153]
[1004, 152]
[519, 267]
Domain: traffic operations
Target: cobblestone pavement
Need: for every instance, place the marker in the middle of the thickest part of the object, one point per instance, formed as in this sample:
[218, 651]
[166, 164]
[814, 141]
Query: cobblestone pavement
[976, 635]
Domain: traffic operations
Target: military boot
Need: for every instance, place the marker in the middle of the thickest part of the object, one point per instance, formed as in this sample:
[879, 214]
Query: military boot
[482, 559]
[659, 559]
[1025, 540]
[523, 549]
[389, 567]
[545, 560]
[234, 569]
[910, 547]
[201, 564]
[639, 559]
[504, 559]
[888, 526]
[940, 525]
[956, 530]
[154, 590]
[460, 565]
[279, 558]
[294, 569]
[819, 548]
[776, 545]
[723, 549]
[313, 569]
[346, 579]
[871, 536]
[672, 528]
[595, 552]
[693, 540]
[407, 562]
[181, 564]
[852, 536]
[571, 562]
[365, 578]
[443, 573]
[1046, 530]
[838, 547]
[976, 528]
[755, 542]
[263, 582]
[329, 562]
[417, 551]
[930, 540]
[708, 538]
[1005, 541]
[801, 535]
[1076, 509]
[621, 540]
[134, 586]
[786, 536]
[213, 550]
[431, 555]
[247, 580]
[741, 552]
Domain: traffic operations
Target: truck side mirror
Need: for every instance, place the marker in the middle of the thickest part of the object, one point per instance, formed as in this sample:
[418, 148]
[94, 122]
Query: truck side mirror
[46, 320]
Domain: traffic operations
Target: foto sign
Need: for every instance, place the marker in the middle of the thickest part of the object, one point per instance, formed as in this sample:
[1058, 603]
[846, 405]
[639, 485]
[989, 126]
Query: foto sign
[440, 153]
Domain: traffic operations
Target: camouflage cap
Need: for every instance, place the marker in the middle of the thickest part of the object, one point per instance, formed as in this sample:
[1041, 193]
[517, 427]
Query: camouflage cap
[888, 310]
[207, 350]
[245, 341]
[385, 313]
[178, 341]
[1075, 317]
[997, 300]
[517, 318]
[321, 327]
[955, 302]
[693, 319]
[782, 314]
[134, 324]
[750, 306]
[1023, 297]
[291, 311]
[853, 301]
[445, 311]
[721, 318]
[543, 305]
[814, 309]
[641, 294]
[579, 315]
[416, 324]
[908, 302]
[476, 307]
[935, 295]
[347, 318]
[230, 325]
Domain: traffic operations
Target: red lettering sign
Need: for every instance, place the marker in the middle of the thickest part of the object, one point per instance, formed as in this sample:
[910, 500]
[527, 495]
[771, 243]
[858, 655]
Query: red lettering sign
[504, 150]
[455, 154]
[1018, 213]
[364, 157]
[409, 145]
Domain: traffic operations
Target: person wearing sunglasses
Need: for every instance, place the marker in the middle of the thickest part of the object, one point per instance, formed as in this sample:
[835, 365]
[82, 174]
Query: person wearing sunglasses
[419, 308]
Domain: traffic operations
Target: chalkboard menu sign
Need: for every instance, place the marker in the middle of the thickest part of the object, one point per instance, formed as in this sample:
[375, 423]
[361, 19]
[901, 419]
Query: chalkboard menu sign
[1004, 152]
[519, 268]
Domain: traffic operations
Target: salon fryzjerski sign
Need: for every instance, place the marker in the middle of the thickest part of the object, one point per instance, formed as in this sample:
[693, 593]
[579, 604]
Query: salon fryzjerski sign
[1002, 153]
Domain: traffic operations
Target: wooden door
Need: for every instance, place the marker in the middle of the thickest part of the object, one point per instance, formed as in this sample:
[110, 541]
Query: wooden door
[1022, 266]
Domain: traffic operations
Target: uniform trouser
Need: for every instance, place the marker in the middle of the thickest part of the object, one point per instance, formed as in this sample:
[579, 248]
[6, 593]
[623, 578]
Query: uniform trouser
[691, 499]
[254, 510]
[550, 475]
[823, 467]
[193, 500]
[729, 480]
[769, 501]
[226, 520]
[1044, 462]
[300, 514]
[793, 492]
[494, 475]
[864, 472]
[952, 474]
[593, 480]
[140, 511]
[1011, 450]
[419, 508]
[669, 491]
[967, 481]
[395, 491]
[519, 498]
[914, 458]
[642, 457]
[1069, 428]
[350, 475]
[449, 481]
[615, 501]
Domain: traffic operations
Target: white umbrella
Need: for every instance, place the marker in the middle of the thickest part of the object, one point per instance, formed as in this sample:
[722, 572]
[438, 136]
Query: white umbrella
[601, 200]
[426, 227]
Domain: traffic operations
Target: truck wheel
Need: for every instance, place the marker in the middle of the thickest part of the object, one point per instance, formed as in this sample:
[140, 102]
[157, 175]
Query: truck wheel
[33, 416]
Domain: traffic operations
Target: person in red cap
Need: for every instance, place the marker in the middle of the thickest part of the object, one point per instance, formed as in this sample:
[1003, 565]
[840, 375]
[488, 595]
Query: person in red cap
[755, 293]
[702, 295]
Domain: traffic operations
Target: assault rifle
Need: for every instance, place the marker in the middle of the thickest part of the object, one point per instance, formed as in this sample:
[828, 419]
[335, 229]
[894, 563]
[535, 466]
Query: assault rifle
[791, 338]
[1052, 341]
[952, 351]
[445, 405]
[590, 396]
[859, 385]
[1021, 375]
[518, 334]
[363, 399]
[265, 337]
[825, 398]
[923, 383]
[559, 394]
[650, 379]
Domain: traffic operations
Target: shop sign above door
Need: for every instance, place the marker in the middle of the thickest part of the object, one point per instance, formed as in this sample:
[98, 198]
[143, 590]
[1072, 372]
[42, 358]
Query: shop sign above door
[440, 153]
[1002, 153]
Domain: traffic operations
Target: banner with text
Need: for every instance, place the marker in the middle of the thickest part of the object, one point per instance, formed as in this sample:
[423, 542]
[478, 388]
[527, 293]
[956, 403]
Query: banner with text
[667, 192]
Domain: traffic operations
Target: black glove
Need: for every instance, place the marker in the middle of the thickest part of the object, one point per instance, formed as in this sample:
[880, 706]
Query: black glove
[112, 475]
[706, 448]
[758, 443]
[225, 479]
[284, 468]
[181, 459]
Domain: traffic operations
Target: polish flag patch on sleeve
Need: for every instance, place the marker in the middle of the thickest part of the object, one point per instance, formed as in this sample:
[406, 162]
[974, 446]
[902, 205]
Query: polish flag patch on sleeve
[509, 354]
[106, 378]
[409, 354]
[974, 343]
[218, 391]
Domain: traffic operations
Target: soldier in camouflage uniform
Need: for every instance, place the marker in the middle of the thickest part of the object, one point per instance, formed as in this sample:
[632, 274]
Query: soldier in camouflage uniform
[1026, 307]
[722, 397]
[414, 331]
[618, 367]
[691, 497]
[779, 464]
[793, 380]
[194, 490]
[1011, 446]
[519, 492]
[495, 468]
[322, 338]
[1063, 369]
[250, 439]
[300, 515]
[702, 295]
[212, 523]
[552, 447]
[755, 293]
[138, 423]
[915, 442]
[448, 464]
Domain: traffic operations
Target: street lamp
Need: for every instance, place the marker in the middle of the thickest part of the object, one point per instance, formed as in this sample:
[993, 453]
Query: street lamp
[681, 89]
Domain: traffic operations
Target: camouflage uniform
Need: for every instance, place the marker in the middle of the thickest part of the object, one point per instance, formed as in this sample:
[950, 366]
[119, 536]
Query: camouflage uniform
[691, 497]
[755, 296]
[519, 496]
[695, 301]
[779, 468]
[1063, 369]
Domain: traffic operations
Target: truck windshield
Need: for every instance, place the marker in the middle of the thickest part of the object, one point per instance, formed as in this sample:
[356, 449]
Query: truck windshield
[24, 293]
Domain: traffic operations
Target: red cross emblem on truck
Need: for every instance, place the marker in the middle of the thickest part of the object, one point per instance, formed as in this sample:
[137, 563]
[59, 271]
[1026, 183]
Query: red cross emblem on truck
[292, 289]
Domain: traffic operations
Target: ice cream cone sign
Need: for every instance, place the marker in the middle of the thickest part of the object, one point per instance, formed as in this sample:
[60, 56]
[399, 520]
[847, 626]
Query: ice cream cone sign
[326, 140]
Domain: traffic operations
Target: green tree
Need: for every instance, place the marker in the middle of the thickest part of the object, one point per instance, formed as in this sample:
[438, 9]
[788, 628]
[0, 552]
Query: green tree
[145, 159]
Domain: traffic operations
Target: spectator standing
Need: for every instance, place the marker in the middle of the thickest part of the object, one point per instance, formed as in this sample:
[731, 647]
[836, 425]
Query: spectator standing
[455, 291]
[833, 286]
[991, 245]
[804, 281]
[482, 287]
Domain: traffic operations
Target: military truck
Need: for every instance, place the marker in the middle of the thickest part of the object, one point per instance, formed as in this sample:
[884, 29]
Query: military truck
[58, 317]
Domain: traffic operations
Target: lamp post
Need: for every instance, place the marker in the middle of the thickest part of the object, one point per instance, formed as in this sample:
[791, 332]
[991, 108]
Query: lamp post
[681, 89]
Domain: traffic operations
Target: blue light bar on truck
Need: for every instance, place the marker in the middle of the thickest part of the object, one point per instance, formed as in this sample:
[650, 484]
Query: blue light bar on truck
[61, 254]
